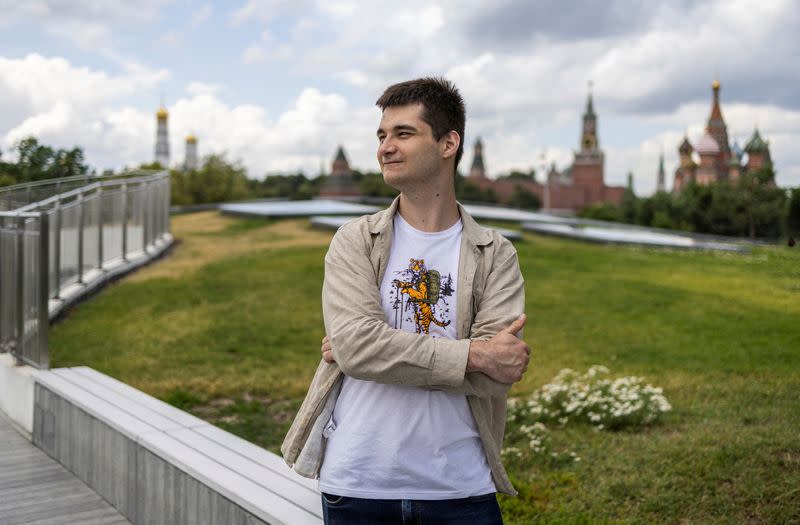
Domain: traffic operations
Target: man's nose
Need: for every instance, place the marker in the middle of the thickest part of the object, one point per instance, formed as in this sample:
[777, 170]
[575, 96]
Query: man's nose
[386, 147]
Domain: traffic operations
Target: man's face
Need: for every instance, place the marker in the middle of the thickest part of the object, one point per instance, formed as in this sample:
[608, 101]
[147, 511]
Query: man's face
[407, 152]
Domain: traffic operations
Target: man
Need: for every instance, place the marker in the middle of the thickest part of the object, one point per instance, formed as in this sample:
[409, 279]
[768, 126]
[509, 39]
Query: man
[404, 419]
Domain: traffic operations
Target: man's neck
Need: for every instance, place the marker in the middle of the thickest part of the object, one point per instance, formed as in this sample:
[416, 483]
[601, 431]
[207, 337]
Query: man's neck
[429, 209]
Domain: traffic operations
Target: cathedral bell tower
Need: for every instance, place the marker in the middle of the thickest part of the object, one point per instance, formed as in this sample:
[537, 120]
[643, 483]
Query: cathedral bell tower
[162, 137]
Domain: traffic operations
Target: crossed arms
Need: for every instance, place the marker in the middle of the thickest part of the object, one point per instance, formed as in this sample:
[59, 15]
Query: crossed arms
[365, 347]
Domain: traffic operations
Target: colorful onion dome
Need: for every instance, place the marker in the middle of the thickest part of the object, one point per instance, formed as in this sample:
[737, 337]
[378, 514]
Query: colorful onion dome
[707, 145]
[756, 144]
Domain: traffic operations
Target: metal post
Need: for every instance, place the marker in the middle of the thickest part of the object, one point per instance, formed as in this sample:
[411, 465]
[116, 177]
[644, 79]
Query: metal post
[81, 213]
[145, 215]
[168, 193]
[20, 342]
[43, 324]
[100, 227]
[57, 250]
[124, 221]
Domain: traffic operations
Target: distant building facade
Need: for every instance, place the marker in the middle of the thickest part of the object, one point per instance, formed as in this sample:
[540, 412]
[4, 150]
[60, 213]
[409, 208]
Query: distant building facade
[340, 182]
[712, 158]
[162, 137]
[573, 189]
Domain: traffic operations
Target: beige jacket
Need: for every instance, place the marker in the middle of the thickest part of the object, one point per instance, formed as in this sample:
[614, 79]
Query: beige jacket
[490, 295]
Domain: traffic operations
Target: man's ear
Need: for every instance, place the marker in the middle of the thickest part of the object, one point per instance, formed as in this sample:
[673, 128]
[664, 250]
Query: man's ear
[451, 141]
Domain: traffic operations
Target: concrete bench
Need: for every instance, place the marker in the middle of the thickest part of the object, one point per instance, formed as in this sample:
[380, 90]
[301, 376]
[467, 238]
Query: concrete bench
[158, 464]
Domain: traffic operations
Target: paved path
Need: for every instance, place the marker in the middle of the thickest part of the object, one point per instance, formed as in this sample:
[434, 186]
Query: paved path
[37, 490]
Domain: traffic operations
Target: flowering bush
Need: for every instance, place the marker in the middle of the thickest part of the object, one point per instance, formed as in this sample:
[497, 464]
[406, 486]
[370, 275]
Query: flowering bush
[536, 439]
[592, 398]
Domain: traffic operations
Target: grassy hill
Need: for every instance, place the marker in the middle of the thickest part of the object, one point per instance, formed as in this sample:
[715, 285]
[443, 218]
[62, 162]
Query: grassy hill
[228, 327]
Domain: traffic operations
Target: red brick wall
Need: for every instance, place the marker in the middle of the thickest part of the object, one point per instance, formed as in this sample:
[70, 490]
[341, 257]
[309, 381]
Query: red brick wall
[590, 177]
[614, 194]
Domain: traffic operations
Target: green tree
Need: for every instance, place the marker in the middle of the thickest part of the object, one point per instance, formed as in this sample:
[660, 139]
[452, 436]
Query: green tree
[764, 203]
[519, 175]
[216, 180]
[373, 185]
[793, 213]
[294, 186]
[38, 162]
[471, 192]
[524, 199]
[603, 211]
[628, 206]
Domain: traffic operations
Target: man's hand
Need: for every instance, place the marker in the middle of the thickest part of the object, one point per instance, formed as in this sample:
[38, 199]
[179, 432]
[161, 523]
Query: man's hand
[327, 352]
[504, 357]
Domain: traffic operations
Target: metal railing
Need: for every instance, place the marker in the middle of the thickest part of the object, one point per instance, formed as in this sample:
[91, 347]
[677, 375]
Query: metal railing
[55, 249]
[19, 195]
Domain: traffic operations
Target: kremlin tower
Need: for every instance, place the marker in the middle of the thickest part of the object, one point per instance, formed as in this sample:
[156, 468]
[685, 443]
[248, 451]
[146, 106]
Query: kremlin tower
[340, 182]
[661, 175]
[477, 171]
[571, 189]
[162, 137]
[587, 168]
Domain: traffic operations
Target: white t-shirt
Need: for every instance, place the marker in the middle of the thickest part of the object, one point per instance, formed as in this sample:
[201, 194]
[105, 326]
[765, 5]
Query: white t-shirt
[403, 442]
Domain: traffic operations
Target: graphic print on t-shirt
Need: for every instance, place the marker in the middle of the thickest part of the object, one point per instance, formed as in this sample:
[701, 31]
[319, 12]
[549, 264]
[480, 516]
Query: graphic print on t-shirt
[419, 295]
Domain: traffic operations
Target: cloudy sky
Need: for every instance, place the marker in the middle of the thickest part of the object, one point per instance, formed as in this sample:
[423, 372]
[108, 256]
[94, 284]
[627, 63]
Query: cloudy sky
[279, 84]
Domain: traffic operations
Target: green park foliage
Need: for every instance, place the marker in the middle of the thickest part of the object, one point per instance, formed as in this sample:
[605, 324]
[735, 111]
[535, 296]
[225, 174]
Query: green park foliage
[38, 162]
[216, 180]
[228, 327]
[750, 207]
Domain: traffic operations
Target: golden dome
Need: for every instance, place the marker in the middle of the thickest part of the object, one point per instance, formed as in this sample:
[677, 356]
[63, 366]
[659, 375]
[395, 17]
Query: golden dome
[162, 113]
[191, 139]
[715, 84]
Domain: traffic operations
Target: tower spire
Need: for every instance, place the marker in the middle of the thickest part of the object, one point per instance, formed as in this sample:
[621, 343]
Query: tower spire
[660, 182]
[589, 132]
[716, 126]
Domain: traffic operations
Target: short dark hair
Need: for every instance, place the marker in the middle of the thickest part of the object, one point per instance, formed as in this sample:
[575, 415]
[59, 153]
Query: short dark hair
[442, 106]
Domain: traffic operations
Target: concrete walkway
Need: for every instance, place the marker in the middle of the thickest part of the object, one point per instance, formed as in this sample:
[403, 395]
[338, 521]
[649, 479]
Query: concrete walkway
[37, 490]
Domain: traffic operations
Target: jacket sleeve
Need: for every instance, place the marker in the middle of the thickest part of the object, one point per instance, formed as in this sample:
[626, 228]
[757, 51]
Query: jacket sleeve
[502, 301]
[363, 344]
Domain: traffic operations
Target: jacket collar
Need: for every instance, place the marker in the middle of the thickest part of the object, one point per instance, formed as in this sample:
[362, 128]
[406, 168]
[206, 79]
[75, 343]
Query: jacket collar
[474, 232]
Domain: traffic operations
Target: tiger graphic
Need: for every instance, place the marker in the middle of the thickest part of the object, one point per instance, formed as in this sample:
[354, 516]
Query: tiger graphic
[424, 289]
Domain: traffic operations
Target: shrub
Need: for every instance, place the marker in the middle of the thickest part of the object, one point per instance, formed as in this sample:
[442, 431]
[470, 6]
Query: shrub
[594, 399]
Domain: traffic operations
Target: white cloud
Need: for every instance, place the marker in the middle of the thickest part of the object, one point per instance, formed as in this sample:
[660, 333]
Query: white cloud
[67, 105]
[254, 54]
[88, 24]
[80, 106]
[264, 10]
[524, 96]
[354, 77]
[203, 88]
[201, 15]
[43, 82]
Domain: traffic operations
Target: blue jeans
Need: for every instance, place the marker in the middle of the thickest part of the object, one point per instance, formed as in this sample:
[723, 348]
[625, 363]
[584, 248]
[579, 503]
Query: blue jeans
[477, 510]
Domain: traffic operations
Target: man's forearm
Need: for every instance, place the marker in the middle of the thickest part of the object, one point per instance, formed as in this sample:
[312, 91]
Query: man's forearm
[366, 347]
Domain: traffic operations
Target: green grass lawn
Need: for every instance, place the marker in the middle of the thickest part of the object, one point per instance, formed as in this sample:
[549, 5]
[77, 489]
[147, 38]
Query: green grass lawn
[228, 327]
